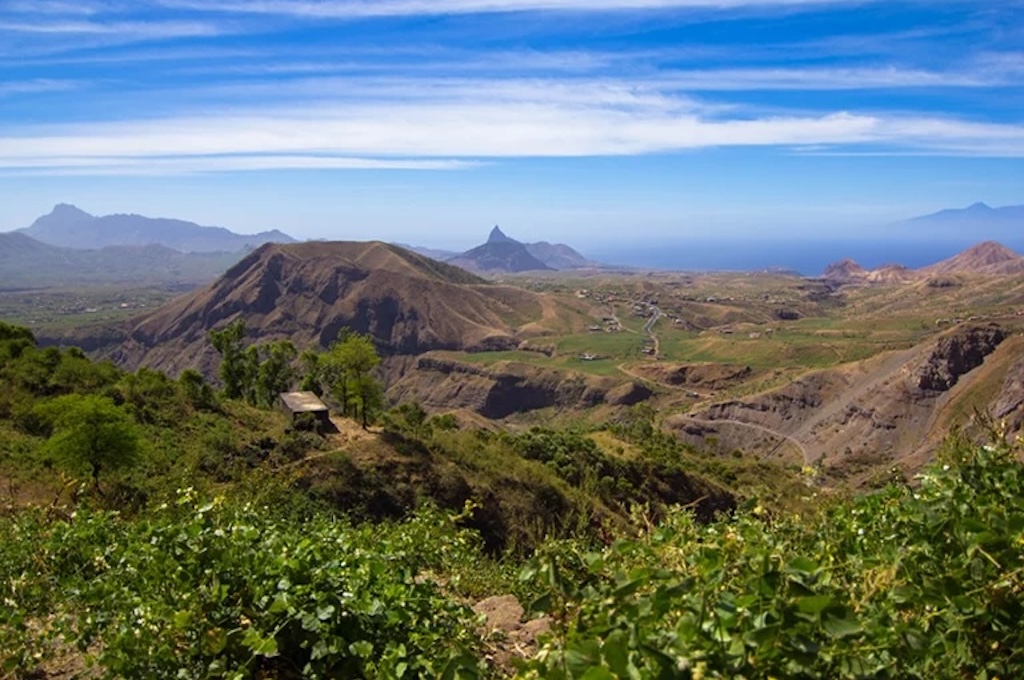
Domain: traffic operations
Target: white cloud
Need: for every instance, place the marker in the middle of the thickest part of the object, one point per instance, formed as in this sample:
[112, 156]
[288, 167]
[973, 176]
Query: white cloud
[449, 132]
[342, 9]
[197, 164]
[133, 29]
[36, 85]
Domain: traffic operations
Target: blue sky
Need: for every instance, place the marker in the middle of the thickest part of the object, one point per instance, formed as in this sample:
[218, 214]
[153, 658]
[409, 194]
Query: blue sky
[593, 122]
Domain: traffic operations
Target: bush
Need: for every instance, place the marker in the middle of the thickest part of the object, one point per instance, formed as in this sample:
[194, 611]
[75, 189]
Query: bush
[206, 590]
[909, 583]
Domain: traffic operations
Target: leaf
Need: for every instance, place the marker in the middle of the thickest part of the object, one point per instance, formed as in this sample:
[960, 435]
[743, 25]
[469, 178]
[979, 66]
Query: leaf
[280, 603]
[541, 605]
[615, 651]
[801, 566]
[214, 641]
[363, 649]
[582, 656]
[181, 619]
[841, 627]
[628, 588]
[814, 604]
[262, 646]
[598, 673]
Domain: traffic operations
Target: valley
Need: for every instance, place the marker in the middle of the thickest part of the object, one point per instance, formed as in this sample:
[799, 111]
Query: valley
[714, 354]
[532, 413]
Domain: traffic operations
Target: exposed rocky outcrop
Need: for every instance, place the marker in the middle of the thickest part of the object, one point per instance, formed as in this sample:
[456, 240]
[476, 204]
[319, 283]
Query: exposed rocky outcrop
[628, 394]
[499, 390]
[955, 355]
[845, 271]
[860, 417]
[707, 375]
[506, 633]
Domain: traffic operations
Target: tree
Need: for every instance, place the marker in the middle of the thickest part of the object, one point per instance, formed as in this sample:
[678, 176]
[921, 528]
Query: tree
[256, 373]
[198, 393]
[228, 343]
[347, 371]
[312, 372]
[275, 372]
[91, 431]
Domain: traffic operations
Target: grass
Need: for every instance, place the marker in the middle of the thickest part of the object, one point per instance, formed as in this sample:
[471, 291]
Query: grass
[71, 308]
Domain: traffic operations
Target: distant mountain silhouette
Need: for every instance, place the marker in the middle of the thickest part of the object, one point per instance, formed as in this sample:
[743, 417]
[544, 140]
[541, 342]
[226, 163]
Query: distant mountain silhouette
[559, 256]
[499, 256]
[503, 254]
[978, 220]
[70, 227]
[988, 258]
[433, 253]
[28, 263]
[498, 236]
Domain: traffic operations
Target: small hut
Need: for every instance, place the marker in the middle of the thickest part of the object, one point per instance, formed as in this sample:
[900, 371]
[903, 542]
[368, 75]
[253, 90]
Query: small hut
[298, 403]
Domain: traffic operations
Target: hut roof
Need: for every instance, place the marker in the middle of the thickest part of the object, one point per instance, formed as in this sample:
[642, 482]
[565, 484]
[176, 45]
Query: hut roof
[302, 402]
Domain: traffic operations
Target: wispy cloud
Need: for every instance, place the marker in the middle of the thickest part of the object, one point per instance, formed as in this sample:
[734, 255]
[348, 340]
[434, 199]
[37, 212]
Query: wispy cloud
[12, 88]
[448, 134]
[200, 164]
[134, 29]
[341, 9]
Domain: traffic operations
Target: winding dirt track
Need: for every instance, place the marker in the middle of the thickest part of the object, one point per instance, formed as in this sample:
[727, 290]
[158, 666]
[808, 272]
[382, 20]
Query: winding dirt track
[803, 436]
[761, 428]
[862, 387]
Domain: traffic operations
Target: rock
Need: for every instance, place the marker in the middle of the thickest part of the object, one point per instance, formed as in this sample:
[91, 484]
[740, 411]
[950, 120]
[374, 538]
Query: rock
[628, 394]
[955, 355]
[504, 630]
[503, 612]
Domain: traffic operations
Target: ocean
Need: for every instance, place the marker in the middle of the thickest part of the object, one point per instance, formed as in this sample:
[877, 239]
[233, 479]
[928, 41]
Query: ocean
[803, 256]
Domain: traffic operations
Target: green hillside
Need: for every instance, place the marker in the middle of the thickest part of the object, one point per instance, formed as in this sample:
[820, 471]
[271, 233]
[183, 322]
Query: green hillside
[154, 528]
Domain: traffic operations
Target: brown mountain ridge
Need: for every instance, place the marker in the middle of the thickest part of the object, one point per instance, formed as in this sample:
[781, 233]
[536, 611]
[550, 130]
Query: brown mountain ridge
[307, 292]
[988, 258]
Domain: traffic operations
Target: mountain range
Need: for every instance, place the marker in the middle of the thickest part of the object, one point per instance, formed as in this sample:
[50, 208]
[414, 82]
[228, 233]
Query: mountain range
[67, 226]
[28, 263]
[988, 258]
[973, 216]
[501, 254]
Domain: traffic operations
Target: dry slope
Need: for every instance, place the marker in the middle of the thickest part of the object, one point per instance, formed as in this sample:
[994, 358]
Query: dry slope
[306, 292]
[858, 418]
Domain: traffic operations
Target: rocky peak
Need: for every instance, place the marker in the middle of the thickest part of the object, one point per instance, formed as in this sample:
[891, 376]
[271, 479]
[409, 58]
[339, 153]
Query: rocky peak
[843, 270]
[498, 236]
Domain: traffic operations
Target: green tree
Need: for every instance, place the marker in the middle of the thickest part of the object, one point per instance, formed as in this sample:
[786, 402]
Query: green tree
[197, 391]
[347, 371]
[228, 343]
[276, 371]
[90, 431]
[312, 371]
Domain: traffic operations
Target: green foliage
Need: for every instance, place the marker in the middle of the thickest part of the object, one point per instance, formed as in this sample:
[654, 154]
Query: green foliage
[908, 583]
[257, 373]
[346, 372]
[274, 371]
[233, 369]
[91, 432]
[213, 590]
[197, 391]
